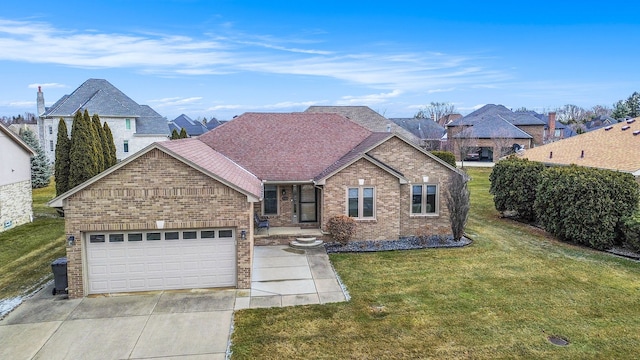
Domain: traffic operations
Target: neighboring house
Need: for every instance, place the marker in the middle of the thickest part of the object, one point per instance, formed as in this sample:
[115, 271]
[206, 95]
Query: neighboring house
[15, 180]
[365, 116]
[599, 122]
[180, 214]
[133, 126]
[615, 147]
[192, 127]
[213, 123]
[428, 131]
[553, 130]
[492, 126]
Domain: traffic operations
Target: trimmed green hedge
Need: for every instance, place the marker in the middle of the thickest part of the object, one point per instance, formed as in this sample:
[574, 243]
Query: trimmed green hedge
[447, 156]
[585, 205]
[631, 231]
[514, 183]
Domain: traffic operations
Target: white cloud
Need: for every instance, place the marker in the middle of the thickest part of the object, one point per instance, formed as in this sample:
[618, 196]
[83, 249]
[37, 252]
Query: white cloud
[46, 86]
[370, 99]
[174, 101]
[211, 54]
[22, 104]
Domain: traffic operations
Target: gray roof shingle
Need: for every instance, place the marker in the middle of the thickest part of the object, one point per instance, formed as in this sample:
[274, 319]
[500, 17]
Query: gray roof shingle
[193, 128]
[365, 116]
[425, 129]
[98, 96]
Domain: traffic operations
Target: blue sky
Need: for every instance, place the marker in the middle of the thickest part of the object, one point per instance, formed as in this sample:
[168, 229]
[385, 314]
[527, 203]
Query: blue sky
[223, 58]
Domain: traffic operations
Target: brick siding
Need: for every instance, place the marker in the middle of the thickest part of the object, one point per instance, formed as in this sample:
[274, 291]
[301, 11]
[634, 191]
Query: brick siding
[156, 187]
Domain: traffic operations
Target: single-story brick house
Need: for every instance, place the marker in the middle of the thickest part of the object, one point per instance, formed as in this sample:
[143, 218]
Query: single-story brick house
[180, 214]
[15, 180]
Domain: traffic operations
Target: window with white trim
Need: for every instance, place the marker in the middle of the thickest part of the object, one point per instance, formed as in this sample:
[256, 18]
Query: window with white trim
[127, 123]
[125, 146]
[424, 199]
[361, 202]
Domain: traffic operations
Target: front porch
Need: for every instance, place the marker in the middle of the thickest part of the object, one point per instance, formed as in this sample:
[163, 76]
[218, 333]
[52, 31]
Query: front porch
[282, 235]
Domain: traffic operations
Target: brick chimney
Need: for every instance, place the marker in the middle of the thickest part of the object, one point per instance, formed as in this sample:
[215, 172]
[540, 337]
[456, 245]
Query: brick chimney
[552, 124]
[40, 101]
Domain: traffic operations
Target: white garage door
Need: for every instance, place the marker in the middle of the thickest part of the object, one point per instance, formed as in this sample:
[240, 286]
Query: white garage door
[160, 260]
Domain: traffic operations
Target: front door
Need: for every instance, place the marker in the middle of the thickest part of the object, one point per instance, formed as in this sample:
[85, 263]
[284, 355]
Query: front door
[308, 198]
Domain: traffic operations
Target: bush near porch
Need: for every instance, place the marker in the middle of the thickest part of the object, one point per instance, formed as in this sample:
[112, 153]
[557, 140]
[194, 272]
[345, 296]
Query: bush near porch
[501, 297]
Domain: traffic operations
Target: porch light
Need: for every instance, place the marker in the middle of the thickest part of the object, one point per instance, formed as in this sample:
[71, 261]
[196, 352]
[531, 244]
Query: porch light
[71, 240]
[243, 234]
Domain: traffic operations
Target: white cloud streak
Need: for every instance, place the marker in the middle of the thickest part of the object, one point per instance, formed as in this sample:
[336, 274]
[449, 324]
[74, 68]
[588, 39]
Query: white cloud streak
[215, 55]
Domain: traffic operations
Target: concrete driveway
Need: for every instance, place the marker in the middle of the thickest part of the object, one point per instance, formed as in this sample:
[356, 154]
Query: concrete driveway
[185, 325]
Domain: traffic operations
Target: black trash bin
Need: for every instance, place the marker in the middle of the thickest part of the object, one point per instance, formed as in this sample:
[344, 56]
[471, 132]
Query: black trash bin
[59, 268]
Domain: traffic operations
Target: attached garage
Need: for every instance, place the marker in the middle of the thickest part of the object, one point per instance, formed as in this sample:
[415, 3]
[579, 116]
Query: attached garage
[160, 260]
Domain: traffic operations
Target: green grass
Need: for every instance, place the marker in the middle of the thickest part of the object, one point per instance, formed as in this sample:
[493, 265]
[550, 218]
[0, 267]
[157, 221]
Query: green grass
[501, 297]
[29, 249]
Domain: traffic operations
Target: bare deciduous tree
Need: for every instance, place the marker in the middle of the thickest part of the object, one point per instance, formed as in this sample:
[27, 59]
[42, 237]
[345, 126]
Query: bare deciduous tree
[435, 111]
[458, 203]
[465, 142]
[569, 114]
[503, 143]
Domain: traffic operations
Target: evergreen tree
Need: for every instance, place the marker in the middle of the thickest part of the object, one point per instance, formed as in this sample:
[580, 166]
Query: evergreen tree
[175, 135]
[183, 134]
[99, 132]
[110, 149]
[94, 141]
[62, 158]
[82, 151]
[40, 168]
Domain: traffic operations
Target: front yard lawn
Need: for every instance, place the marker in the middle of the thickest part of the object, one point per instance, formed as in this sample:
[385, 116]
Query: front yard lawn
[29, 249]
[501, 297]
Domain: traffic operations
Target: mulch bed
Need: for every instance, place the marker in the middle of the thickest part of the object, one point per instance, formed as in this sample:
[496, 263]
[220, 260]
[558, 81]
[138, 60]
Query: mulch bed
[410, 243]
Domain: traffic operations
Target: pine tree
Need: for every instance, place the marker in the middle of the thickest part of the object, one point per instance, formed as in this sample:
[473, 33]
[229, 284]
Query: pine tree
[62, 158]
[81, 153]
[40, 168]
[183, 134]
[175, 135]
[110, 150]
[94, 141]
[99, 133]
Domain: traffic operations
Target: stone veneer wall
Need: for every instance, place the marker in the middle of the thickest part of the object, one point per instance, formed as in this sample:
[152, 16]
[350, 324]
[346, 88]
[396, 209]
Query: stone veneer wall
[15, 204]
[156, 187]
[414, 165]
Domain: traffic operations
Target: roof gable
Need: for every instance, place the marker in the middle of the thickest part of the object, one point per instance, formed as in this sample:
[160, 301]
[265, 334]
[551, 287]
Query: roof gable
[491, 111]
[193, 153]
[286, 146]
[98, 96]
[193, 128]
[16, 139]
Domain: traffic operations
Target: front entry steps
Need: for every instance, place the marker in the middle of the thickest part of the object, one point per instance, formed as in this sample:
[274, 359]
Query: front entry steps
[306, 243]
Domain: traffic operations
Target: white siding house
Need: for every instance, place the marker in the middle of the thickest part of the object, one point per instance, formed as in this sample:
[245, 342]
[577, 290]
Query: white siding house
[133, 126]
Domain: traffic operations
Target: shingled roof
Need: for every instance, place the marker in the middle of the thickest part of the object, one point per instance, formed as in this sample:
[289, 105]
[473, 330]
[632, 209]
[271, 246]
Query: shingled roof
[98, 96]
[425, 129]
[286, 146]
[365, 116]
[615, 147]
[193, 128]
[490, 128]
[491, 111]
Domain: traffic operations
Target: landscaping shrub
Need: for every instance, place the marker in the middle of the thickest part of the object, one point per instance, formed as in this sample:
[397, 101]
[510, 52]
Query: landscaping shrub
[457, 197]
[447, 156]
[585, 205]
[513, 184]
[342, 228]
[631, 231]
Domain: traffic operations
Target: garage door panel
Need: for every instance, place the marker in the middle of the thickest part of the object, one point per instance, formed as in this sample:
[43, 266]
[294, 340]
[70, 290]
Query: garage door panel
[125, 266]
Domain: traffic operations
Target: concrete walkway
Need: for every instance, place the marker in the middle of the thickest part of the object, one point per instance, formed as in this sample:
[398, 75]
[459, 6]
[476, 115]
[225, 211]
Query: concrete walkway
[186, 325]
[283, 276]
